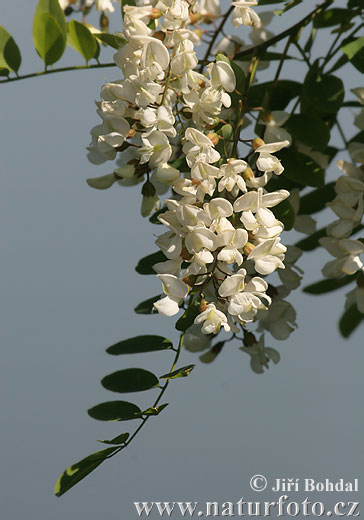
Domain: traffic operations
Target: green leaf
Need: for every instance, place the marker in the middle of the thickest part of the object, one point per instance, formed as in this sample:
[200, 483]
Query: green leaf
[154, 410]
[188, 317]
[350, 320]
[355, 53]
[325, 286]
[285, 213]
[114, 411]
[312, 242]
[146, 307]
[120, 439]
[352, 48]
[10, 57]
[211, 355]
[224, 145]
[180, 372]
[316, 200]
[145, 265]
[323, 91]
[330, 17]
[301, 169]
[130, 380]
[48, 37]
[140, 344]
[288, 6]
[102, 183]
[180, 163]
[80, 470]
[54, 9]
[82, 39]
[282, 94]
[110, 39]
[310, 130]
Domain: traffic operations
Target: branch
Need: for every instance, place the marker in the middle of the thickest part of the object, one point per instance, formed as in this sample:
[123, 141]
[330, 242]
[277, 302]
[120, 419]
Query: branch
[62, 69]
[295, 28]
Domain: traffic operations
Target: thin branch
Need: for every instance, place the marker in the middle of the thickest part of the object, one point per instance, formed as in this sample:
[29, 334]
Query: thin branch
[62, 69]
[217, 31]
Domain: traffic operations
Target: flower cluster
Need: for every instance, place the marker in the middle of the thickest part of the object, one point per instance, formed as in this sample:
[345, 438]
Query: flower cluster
[348, 205]
[223, 237]
[101, 5]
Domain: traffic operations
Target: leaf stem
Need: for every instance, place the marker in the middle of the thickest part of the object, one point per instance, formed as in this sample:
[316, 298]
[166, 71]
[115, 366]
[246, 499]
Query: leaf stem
[216, 33]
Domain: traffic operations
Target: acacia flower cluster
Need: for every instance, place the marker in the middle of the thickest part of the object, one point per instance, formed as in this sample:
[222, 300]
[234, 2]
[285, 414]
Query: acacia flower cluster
[348, 206]
[223, 237]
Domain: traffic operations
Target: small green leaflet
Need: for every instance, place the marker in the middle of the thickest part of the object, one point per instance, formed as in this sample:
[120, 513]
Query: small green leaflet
[146, 307]
[325, 286]
[145, 265]
[10, 57]
[119, 439]
[154, 410]
[82, 40]
[181, 372]
[114, 411]
[350, 320]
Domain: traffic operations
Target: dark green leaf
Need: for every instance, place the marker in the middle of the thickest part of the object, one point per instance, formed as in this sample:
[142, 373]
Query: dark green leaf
[147, 307]
[350, 320]
[265, 56]
[310, 130]
[331, 17]
[188, 317]
[10, 57]
[323, 91]
[120, 439]
[181, 372]
[110, 39]
[312, 241]
[48, 38]
[283, 93]
[316, 200]
[352, 48]
[154, 218]
[210, 356]
[325, 286]
[130, 380]
[80, 470]
[285, 213]
[145, 265]
[82, 39]
[301, 169]
[114, 411]
[140, 344]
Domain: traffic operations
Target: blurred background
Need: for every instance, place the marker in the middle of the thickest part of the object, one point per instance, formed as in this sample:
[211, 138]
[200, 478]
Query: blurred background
[68, 292]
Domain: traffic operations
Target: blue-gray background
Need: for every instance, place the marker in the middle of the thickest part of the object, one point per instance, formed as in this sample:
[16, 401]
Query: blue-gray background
[68, 291]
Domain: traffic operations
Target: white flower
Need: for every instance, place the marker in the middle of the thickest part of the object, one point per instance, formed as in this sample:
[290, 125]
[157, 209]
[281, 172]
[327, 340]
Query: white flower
[170, 244]
[268, 256]
[232, 240]
[198, 147]
[213, 320]
[222, 75]
[347, 253]
[156, 149]
[243, 14]
[175, 291]
[273, 132]
[231, 179]
[267, 162]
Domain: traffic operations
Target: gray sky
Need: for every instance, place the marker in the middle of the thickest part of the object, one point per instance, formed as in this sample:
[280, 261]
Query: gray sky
[69, 289]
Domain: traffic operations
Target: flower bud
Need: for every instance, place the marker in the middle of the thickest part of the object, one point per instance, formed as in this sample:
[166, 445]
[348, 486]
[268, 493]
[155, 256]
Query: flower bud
[267, 117]
[257, 141]
[214, 138]
[104, 22]
[248, 248]
[198, 33]
[156, 13]
[248, 173]
[195, 17]
[203, 305]
[148, 189]
[131, 133]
